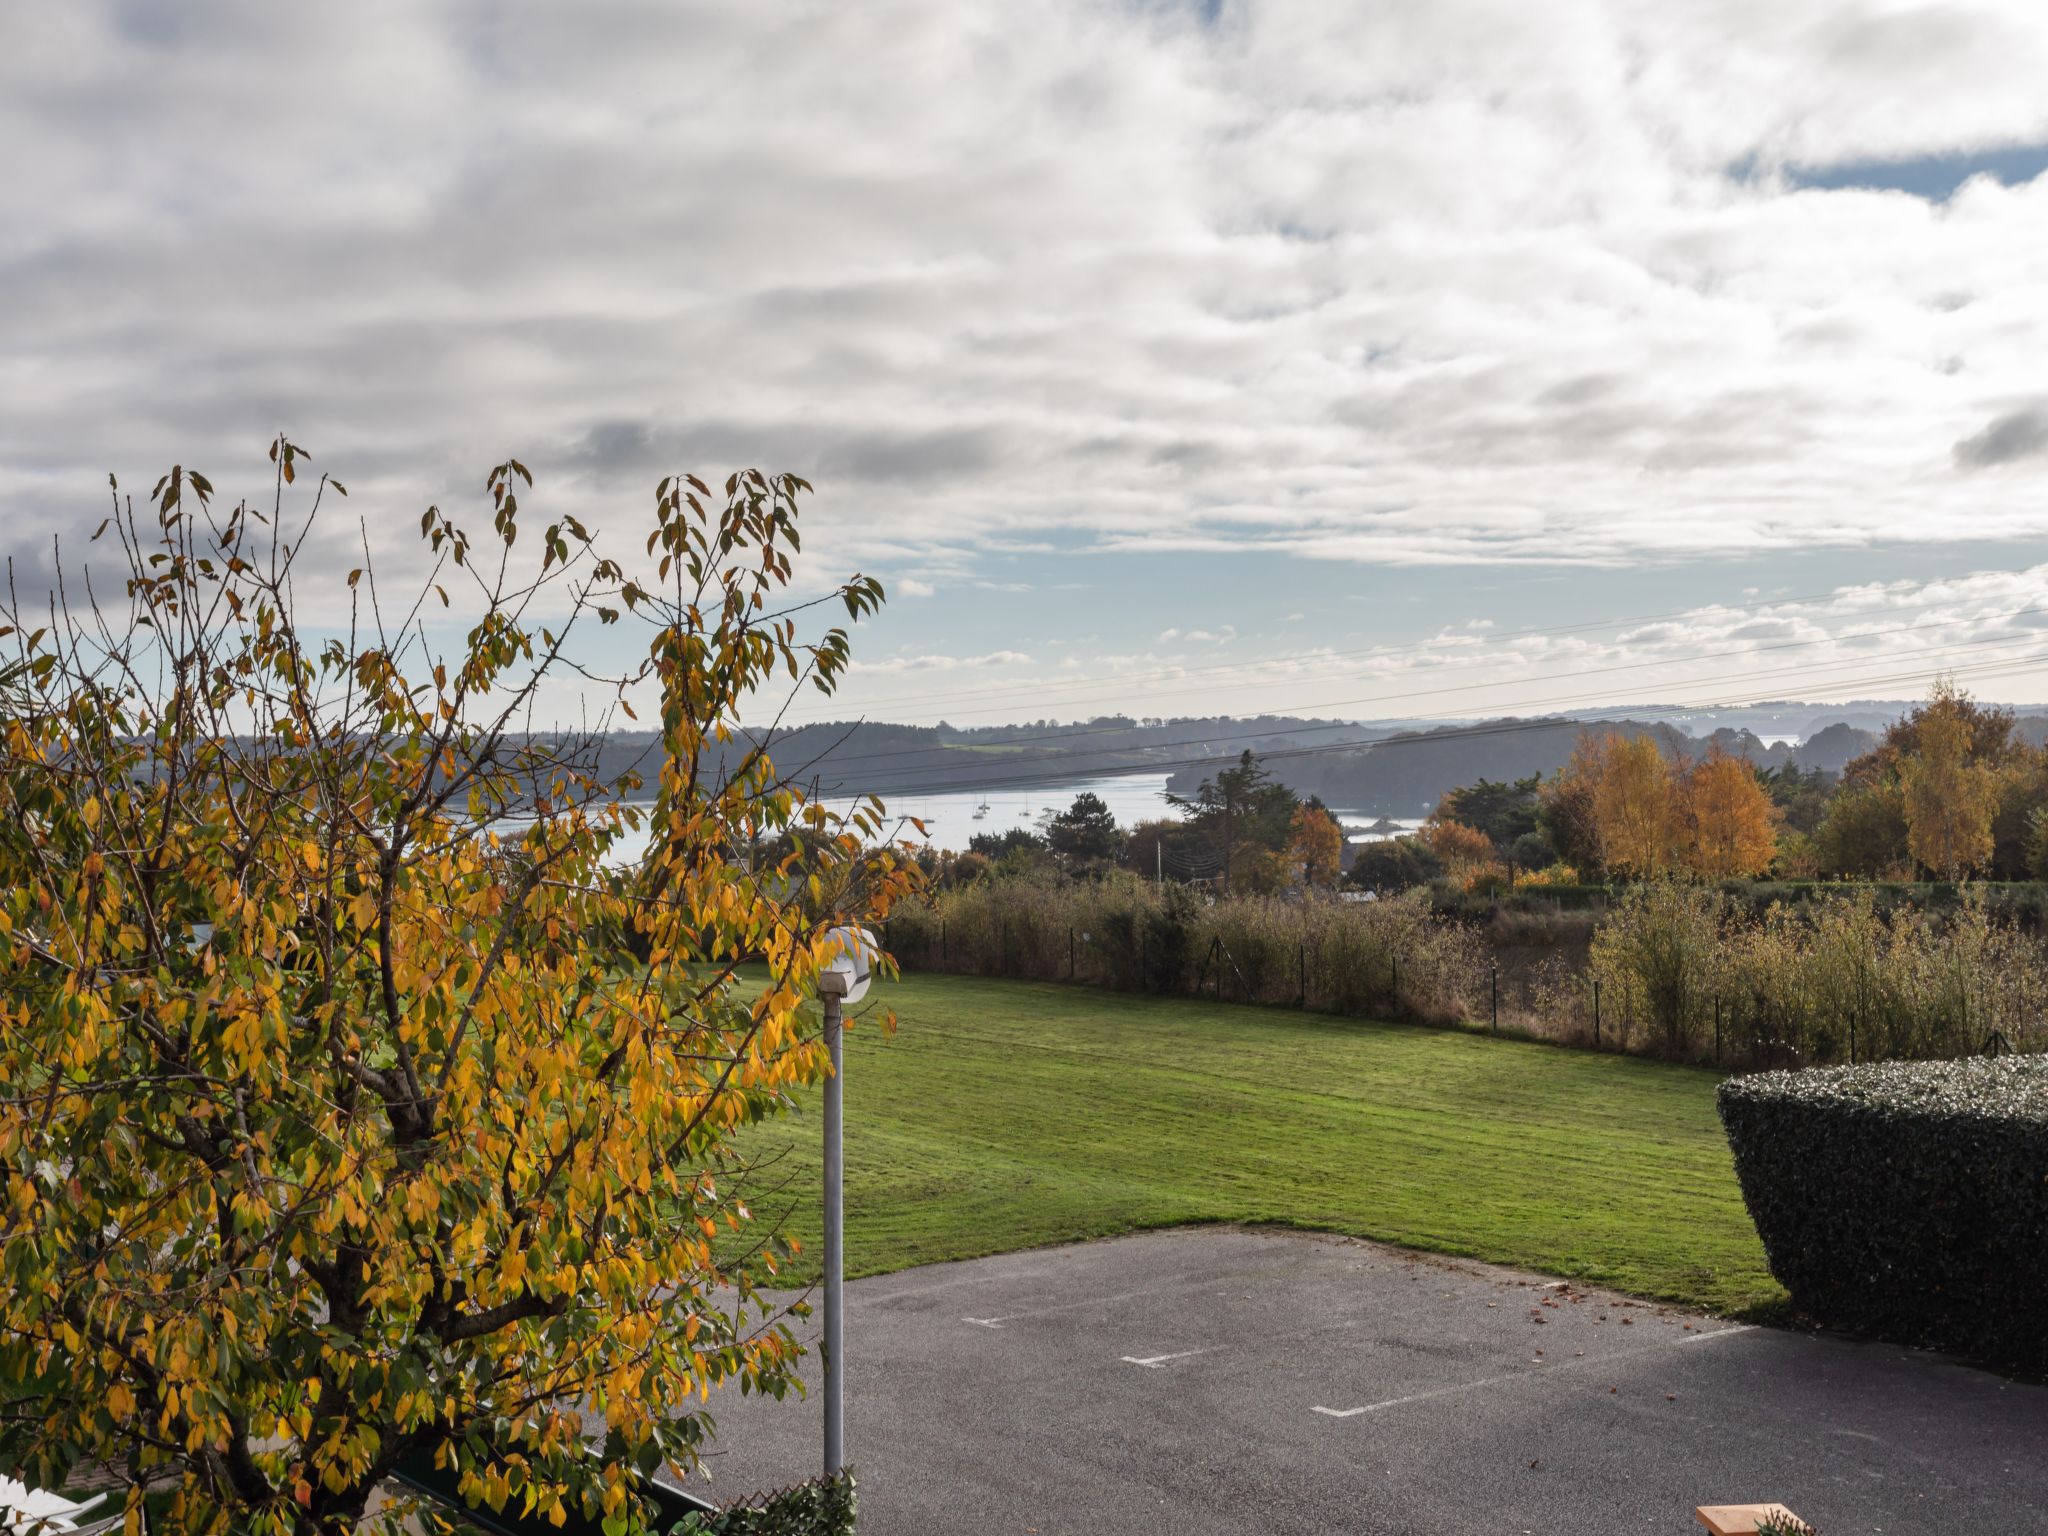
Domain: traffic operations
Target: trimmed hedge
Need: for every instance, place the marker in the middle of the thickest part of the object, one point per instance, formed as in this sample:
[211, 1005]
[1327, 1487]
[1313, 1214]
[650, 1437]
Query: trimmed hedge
[1907, 1199]
[817, 1508]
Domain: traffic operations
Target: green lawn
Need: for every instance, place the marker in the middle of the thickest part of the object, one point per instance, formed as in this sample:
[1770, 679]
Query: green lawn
[1002, 1115]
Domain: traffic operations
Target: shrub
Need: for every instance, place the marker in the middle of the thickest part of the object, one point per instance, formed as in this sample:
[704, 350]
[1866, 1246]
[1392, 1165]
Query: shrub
[1904, 1200]
[1660, 955]
[1129, 933]
[1394, 864]
[822, 1507]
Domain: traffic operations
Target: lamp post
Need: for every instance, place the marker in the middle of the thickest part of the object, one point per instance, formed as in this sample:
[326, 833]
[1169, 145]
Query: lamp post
[844, 980]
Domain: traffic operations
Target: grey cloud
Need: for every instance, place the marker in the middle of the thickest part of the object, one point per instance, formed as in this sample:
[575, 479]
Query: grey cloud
[2017, 435]
[842, 452]
[1308, 279]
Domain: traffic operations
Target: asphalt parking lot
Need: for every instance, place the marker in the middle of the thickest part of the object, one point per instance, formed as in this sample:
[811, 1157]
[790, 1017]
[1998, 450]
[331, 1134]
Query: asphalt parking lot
[1223, 1379]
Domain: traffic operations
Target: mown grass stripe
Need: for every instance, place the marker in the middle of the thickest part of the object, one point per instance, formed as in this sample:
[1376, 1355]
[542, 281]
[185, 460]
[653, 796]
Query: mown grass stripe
[1008, 1114]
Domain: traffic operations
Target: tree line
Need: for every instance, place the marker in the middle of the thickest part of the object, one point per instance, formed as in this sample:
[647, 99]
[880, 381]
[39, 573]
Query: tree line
[1951, 791]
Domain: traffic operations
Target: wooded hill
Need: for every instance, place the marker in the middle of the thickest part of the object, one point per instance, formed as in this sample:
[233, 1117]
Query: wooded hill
[1407, 773]
[1392, 768]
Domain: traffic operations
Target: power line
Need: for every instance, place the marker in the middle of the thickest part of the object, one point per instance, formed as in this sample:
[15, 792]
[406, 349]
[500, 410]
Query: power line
[950, 754]
[1513, 727]
[1041, 689]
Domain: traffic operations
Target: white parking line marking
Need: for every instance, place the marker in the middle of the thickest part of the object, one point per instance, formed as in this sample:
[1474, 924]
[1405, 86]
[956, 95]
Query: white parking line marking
[1495, 1381]
[1070, 1306]
[1154, 1362]
[1418, 1397]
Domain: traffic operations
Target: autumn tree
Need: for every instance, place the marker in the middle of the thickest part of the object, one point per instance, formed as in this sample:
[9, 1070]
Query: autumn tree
[1950, 793]
[1459, 847]
[360, 1100]
[1730, 824]
[1955, 768]
[1565, 806]
[1634, 804]
[1316, 845]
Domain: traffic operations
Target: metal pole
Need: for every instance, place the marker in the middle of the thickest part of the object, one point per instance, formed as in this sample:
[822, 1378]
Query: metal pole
[1070, 954]
[1596, 1013]
[945, 958]
[1717, 1031]
[835, 1252]
[1493, 991]
[1159, 862]
[1301, 972]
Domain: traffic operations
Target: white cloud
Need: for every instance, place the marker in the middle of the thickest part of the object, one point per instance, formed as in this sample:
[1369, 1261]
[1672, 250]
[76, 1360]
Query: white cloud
[938, 663]
[1869, 640]
[910, 586]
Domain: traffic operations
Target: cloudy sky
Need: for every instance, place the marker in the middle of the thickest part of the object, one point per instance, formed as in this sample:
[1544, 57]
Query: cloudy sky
[1160, 355]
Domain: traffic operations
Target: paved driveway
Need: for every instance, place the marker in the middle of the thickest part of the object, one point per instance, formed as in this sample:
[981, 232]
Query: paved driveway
[1219, 1379]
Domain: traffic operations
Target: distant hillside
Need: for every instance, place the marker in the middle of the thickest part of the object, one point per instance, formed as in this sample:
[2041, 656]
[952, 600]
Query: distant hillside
[1396, 768]
[1408, 773]
[851, 757]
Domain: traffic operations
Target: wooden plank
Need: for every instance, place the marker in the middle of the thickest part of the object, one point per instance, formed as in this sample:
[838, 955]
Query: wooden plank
[1738, 1519]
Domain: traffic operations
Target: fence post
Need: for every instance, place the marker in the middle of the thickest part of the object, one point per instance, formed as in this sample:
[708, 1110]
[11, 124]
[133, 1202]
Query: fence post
[1394, 998]
[1596, 1013]
[1006, 948]
[945, 955]
[1301, 973]
[1852, 1037]
[1717, 1029]
[1070, 954]
[1493, 996]
[1143, 978]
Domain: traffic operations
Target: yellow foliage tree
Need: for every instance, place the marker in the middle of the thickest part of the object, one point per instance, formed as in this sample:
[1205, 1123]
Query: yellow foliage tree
[359, 1099]
[1634, 805]
[1457, 844]
[1730, 823]
[1316, 844]
[1950, 798]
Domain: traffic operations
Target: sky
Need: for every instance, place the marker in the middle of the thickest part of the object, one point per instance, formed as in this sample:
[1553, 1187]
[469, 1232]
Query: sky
[1160, 356]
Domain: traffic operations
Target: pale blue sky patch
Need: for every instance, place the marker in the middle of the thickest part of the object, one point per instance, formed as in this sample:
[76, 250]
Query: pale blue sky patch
[1934, 177]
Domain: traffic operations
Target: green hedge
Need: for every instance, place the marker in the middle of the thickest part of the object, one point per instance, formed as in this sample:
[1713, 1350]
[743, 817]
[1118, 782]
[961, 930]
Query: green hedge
[819, 1508]
[1907, 1200]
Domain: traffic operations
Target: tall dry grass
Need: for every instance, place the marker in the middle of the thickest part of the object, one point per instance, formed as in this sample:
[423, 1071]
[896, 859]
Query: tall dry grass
[1678, 970]
[1385, 957]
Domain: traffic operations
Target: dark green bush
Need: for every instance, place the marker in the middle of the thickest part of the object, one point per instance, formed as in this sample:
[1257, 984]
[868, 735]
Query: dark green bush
[1907, 1200]
[819, 1508]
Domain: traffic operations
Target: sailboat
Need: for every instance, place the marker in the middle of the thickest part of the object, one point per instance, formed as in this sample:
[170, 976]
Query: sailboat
[981, 811]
